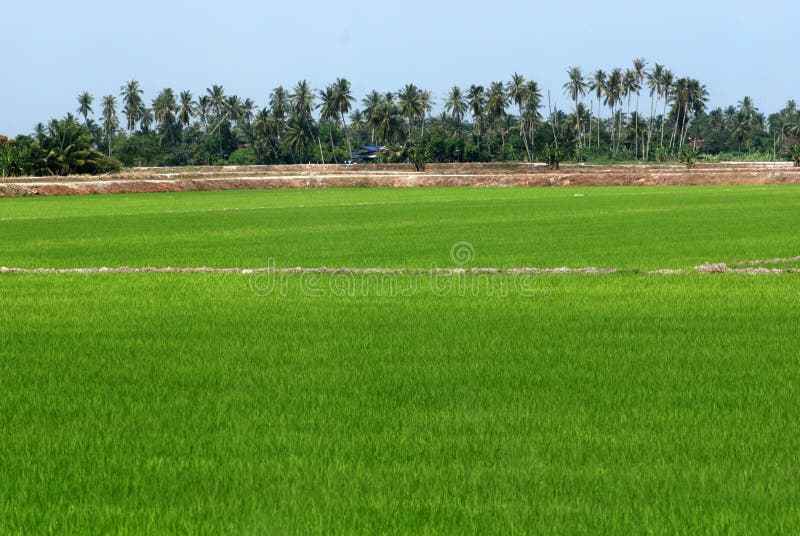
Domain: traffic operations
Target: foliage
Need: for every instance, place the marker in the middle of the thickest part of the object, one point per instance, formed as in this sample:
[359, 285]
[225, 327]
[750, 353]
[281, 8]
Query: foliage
[553, 156]
[498, 121]
[794, 153]
[64, 147]
[347, 412]
[242, 157]
[689, 156]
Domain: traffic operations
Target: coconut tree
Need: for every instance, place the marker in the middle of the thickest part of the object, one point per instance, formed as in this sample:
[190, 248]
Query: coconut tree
[146, 118]
[344, 101]
[598, 86]
[639, 65]
[531, 116]
[85, 106]
[358, 122]
[371, 103]
[613, 93]
[496, 103]
[576, 88]
[654, 78]
[164, 109]
[476, 99]
[410, 104]
[110, 121]
[301, 103]
[630, 85]
[278, 109]
[186, 110]
[131, 103]
[426, 99]
[456, 106]
[666, 88]
[388, 118]
[329, 111]
[204, 109]
[518, 94]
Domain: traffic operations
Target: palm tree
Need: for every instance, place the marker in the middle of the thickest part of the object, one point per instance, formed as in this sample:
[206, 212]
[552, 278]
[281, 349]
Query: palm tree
[654, 79]
[85, 106]
[531, 115]
[301, 103]
[278, 109]
[186, 110]
[110, 122]
[388, 118]
[164, 109]
[204, 109]
[146, 118]
[371, 103]
[456, 106]
[496, 102]
[639, 65]
[329, 111]
[216, 96]
[690, 101]
[131, 103]
[614, 85]
[358, 122]
[518, 94]
[476, 99]
[576, 88]
[598, 85]
[344, 101]
[665, 92]
[748, 114]
[411, 106]
[630, 85]
[426, 99]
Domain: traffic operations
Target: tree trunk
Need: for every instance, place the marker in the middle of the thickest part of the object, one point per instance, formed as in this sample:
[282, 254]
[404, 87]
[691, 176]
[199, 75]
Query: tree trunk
[636, 129]
[346, 137]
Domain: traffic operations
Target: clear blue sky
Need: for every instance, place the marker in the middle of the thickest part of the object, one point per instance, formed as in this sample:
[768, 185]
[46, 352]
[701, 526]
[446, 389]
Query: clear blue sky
[54, 50]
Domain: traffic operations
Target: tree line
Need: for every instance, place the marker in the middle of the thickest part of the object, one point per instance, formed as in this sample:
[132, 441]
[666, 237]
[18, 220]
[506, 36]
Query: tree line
[502, 121]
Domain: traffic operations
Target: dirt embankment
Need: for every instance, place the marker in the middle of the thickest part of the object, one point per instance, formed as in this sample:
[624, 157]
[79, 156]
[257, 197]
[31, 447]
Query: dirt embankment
[142, 180]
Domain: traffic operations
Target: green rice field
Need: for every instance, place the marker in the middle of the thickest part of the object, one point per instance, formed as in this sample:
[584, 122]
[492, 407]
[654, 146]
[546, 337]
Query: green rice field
[633, 402]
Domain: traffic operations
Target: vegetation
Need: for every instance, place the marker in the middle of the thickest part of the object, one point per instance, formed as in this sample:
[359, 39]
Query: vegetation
[413, 228]
[153, 403]
[62, 148]
[503, 121]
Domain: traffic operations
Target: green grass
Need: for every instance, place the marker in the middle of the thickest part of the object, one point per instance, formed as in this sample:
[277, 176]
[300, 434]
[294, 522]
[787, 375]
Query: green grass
[632, 228]
[152, 403]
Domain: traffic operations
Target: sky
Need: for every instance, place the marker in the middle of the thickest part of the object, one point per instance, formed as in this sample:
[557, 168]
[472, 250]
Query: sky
[54, 50]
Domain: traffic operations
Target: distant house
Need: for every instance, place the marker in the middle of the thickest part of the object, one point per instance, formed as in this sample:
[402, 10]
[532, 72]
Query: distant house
[368, 152]
[3, 139]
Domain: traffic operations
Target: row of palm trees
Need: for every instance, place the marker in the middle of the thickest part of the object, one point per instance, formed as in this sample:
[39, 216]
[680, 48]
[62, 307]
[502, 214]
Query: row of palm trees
[293, 121]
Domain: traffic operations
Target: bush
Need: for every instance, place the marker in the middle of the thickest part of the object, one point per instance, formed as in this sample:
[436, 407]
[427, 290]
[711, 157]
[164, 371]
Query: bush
[242, 157]
[794, 153]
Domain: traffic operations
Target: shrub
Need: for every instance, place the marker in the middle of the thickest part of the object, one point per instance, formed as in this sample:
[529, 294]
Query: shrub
[242, 157]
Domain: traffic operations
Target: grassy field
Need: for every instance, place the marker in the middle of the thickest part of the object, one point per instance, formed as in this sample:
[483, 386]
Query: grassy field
[634, 228]
[147, 403]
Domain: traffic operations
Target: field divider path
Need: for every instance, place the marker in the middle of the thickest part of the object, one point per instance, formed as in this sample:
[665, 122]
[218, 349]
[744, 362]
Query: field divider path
[709, 268]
